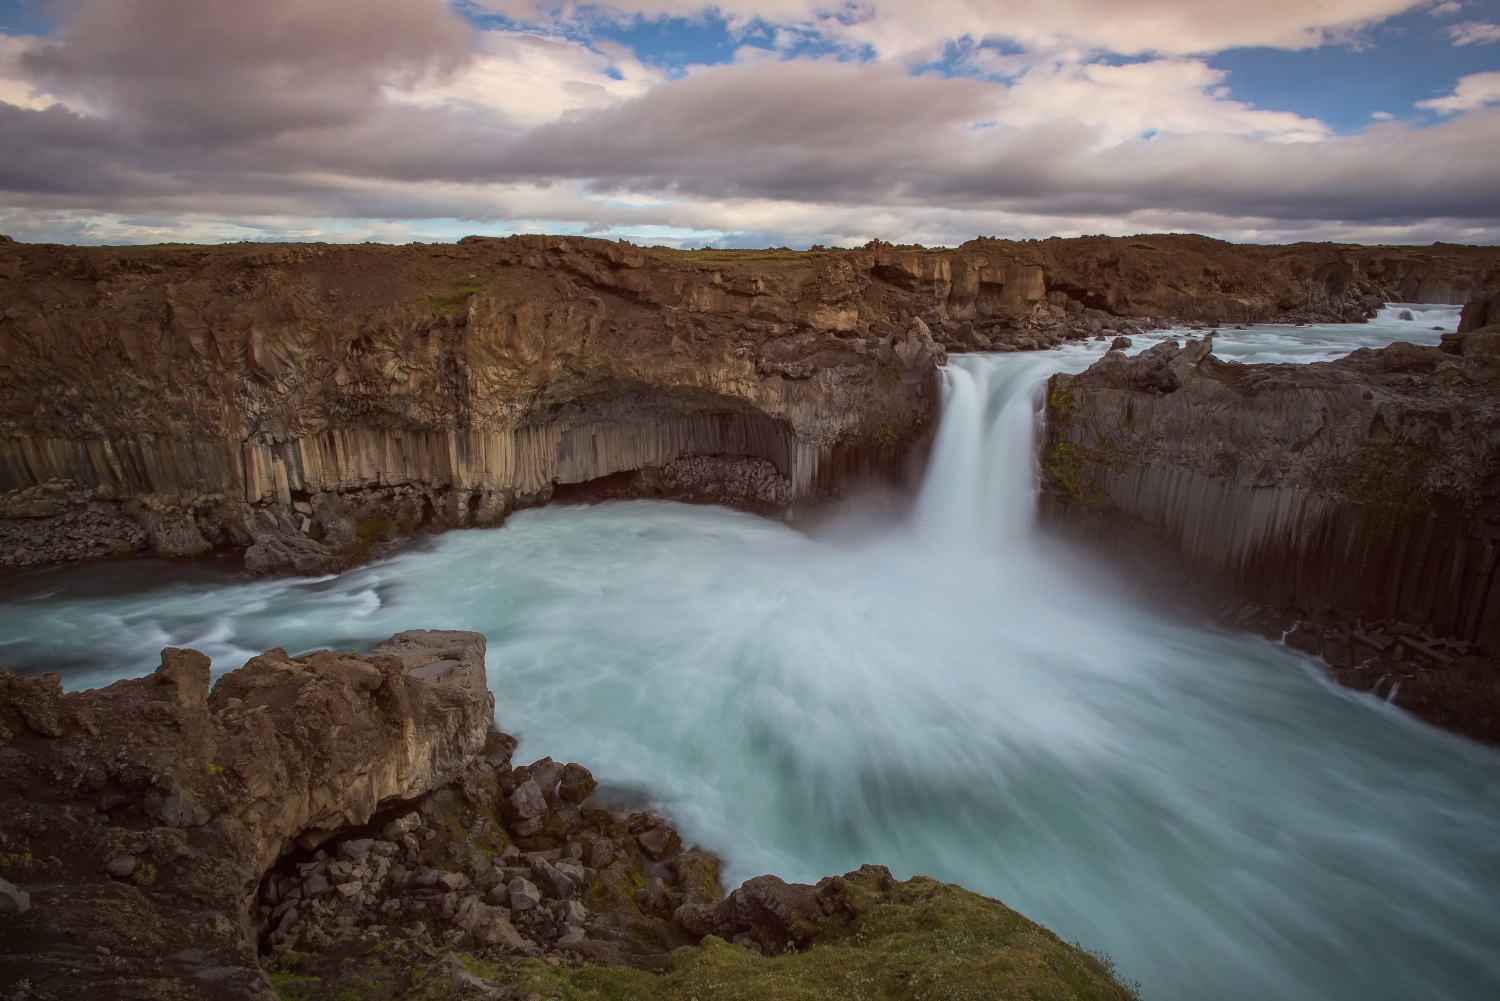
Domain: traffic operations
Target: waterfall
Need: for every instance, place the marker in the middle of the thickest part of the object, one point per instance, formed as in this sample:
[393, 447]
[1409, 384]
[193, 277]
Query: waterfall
[980, 487]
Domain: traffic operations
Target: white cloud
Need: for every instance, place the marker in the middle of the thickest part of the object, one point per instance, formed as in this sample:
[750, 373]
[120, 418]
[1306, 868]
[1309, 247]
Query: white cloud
[1446, 9]
[1473, 33]
[1136, 100]
[903, 29]
[1476, 90]
[419, 121]
[525, 79]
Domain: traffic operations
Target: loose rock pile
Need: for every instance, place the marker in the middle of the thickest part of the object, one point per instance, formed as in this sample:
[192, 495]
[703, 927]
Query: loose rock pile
[56, 523]
[738, 481]
[504, 862]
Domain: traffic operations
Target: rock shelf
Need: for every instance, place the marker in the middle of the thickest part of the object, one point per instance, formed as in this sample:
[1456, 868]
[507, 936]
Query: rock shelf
[1325, 502]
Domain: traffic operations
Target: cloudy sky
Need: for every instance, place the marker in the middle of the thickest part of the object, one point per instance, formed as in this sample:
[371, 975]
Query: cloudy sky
[749, 122]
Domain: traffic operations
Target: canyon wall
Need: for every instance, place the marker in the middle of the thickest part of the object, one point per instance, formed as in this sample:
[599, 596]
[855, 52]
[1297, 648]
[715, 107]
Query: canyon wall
[300, 402]
[1359, 498]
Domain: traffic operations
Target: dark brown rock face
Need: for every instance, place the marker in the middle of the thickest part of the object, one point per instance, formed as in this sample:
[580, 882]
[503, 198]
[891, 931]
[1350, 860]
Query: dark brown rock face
[1346, 494]
[139, 818]
[301, 403]
[770, 915]
[1483, 308]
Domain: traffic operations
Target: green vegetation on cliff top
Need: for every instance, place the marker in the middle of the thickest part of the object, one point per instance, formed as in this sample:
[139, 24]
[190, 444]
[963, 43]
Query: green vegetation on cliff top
[925, 940]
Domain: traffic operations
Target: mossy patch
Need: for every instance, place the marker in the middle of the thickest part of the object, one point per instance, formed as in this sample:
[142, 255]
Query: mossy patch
[454, 299]
[1063, 460]
[925, 940]
[372, 528]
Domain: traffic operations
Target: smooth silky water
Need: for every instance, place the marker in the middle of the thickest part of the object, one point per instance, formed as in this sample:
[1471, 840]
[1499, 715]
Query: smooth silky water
[950, 694]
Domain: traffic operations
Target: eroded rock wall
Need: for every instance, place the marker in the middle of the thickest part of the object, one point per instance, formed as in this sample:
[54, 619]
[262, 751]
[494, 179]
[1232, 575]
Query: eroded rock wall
[140, 817]
[300, 402]
[1355, 495]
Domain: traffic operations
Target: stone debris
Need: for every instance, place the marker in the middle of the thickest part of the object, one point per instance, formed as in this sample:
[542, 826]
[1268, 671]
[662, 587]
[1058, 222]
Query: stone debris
[13, 899]
[469, 869]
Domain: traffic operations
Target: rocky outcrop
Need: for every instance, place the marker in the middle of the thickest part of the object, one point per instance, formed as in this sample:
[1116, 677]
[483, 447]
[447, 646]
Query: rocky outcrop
[333, 825]
[303, 403]
[141, 817]
[1483, 309]
[1360, 498]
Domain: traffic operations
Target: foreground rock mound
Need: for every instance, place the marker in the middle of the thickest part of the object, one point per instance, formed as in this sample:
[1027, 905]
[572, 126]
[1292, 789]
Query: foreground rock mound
[140, 817]
[1359, 498]
[345, 825]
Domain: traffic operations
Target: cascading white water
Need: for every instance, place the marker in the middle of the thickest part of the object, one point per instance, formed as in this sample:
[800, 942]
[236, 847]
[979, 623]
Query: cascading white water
[981, 482]
[954, 697]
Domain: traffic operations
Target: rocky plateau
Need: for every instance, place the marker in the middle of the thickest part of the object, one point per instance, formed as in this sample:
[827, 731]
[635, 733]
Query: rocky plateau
[302, 404]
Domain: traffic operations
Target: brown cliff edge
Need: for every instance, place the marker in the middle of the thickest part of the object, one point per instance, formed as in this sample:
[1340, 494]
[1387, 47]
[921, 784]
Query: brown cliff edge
[1353, 505]
[302, 403]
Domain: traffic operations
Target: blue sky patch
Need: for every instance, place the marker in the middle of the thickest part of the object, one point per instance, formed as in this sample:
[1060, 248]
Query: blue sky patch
[1401, 61]
[26, 17]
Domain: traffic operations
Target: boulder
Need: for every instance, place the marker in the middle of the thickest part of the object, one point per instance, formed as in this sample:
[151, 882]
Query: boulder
[527, 801]
[546, 773]
[488, 926]
[651, 898]
[577, 783]
[524, 895]
[553, 884]
[13, 899]
[769, 915]
[659, 842]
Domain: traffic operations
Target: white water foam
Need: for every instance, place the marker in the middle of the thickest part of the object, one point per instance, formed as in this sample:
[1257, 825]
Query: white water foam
[952, 696]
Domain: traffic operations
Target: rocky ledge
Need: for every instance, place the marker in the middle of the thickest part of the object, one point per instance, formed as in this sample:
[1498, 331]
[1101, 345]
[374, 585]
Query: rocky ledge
[351, 825]
[301, 404]
[1352, 505]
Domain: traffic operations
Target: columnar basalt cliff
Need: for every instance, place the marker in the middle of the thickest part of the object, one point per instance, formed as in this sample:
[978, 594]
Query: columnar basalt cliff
[300, 402]
[335, 825]
[1356, 502]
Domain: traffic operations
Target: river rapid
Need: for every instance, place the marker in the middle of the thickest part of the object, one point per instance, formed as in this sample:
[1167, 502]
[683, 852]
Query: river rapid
[947, 693]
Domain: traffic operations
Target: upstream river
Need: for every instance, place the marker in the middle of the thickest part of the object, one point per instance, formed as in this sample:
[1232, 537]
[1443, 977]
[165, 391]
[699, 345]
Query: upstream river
[948, 693]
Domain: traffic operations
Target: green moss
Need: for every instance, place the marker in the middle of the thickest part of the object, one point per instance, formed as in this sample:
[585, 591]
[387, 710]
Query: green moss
[1395, 472]
[455, 298]
[1064, 460]
[369, 528]
[923, 940]
[291, 986]
[458, 842]
[145, 875]
[926, 940]
[698, 876]
[487, 971]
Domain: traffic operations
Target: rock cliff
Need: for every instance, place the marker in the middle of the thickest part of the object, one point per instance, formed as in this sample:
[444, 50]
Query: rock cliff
[300, 403]
[336, 825]
[1356, 502]
[140, 817]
